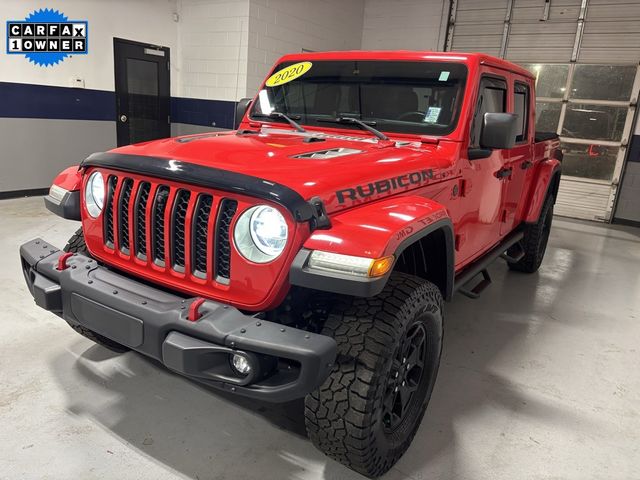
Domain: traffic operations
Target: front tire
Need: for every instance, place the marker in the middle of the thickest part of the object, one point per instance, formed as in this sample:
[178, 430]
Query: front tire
[367, 412]
[76, 244]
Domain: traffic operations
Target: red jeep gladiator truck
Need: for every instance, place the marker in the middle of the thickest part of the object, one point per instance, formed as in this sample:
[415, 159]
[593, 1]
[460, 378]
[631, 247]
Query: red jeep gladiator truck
[308, 253]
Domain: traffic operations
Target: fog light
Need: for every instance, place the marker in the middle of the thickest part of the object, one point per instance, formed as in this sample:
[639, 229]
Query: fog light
[241, 364]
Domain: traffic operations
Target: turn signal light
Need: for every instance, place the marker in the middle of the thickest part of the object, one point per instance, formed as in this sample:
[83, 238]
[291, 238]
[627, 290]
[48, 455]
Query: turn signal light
[381, 266]
[349, 265]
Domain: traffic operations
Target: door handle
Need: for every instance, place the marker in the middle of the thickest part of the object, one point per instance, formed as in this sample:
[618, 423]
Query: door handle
[504, 173]
[526, 164]
[123, 118]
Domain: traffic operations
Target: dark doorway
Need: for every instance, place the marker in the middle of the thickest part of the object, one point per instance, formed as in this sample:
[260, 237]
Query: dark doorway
[142, 91]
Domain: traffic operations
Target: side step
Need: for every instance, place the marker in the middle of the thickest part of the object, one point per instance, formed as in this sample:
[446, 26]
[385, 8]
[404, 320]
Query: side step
[480, 266]
[514, 254]
[478, 288]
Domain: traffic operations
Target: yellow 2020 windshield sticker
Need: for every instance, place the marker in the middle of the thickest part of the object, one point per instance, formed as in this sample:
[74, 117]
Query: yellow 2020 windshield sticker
[285, 75]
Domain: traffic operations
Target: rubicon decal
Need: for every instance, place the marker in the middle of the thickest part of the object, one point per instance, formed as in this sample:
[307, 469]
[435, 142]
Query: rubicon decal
[47, 37]
[383, 186]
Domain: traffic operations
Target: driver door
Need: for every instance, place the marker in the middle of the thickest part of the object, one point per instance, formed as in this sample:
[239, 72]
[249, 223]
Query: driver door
[479, 228]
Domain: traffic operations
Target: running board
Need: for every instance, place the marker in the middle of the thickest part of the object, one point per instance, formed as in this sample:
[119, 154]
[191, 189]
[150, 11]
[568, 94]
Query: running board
[480, 267]
[478, 288]
[514, 254]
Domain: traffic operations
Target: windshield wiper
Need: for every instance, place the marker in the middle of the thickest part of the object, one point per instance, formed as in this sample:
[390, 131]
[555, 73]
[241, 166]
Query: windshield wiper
[354, 121]
[281, 115]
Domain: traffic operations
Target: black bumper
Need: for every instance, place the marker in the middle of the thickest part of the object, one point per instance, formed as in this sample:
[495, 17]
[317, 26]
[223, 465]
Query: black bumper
[288, 362]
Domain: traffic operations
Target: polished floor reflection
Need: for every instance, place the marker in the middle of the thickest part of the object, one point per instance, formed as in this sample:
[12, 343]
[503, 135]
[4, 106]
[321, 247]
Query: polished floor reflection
[539, 379]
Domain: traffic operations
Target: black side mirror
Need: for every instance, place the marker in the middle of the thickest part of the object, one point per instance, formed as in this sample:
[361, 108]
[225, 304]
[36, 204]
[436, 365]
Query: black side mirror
[499, 130]
[241, 108]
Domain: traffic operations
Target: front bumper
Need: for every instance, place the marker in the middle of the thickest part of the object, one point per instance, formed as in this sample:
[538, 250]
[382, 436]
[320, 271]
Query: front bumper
[288, 362]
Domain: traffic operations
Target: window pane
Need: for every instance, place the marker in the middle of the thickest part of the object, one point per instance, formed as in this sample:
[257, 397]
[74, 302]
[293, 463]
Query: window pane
[551, 80]
[521, 111]
[594, 122]
[547, 116]
[603, 82]
[142, 77]
[589, 161]
[491, 100]
[407, 97]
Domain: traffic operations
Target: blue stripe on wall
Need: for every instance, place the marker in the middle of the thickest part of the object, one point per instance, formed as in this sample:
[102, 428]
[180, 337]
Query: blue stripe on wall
[208, 113]
[23, 100]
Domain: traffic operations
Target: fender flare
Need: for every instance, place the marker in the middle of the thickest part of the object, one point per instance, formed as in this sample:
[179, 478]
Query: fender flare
[549, 174]
[446, 225]
[366, 231]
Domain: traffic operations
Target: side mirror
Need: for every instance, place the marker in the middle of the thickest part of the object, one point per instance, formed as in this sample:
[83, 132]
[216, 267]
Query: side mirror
[241, 108]
[499, 130]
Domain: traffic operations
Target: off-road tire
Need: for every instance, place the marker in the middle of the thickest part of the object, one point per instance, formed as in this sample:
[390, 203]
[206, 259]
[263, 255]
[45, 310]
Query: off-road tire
[344, 417]
[76, 244]
[536, 237]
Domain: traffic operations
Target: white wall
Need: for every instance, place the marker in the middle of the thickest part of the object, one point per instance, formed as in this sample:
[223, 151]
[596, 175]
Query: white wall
[404, 24]
[148, 21]
[212, 49]
[222, 49]
[277, 27]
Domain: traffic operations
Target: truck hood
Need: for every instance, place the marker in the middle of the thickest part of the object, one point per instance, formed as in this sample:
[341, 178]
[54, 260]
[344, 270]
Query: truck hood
[340, 169]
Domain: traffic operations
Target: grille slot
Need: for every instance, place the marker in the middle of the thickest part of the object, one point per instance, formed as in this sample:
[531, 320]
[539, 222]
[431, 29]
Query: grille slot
[178, 217]
[123, 215]
[140, 220]
[157, 228]
[200, 235]
[112, 181]
[226, 213]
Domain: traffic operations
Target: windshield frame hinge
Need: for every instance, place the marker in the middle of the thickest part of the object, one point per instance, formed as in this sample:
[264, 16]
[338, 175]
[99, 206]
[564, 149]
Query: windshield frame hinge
[320, 220]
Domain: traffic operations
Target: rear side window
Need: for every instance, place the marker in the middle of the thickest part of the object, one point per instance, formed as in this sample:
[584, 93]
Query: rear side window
[521, 108]
[492, 98]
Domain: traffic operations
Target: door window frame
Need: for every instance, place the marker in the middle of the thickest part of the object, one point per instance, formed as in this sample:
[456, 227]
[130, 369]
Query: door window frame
[487, 78]
[526, 131]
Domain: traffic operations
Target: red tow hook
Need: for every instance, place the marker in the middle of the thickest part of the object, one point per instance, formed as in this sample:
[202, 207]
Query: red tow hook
[62, 260]
[194, 309]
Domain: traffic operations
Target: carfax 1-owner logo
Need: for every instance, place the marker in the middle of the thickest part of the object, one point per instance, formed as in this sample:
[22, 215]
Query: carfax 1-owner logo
[47, 37]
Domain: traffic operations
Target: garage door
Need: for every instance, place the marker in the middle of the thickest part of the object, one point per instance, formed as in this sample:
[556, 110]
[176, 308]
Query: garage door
[584, 54]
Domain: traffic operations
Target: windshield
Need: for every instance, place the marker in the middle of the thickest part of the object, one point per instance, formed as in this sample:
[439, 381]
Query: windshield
[404, 97]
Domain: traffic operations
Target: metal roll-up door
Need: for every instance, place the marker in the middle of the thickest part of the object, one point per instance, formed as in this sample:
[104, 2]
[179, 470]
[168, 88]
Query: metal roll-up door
[585, 56]
[478, 26]
[533, 39]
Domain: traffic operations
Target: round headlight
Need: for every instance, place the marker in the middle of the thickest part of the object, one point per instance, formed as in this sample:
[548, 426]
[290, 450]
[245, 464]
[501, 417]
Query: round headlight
[261, 234]
[94, 194]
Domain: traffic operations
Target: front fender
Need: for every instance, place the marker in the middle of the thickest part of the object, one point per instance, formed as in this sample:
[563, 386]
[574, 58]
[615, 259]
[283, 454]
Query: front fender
[374, 230]
[65, 200]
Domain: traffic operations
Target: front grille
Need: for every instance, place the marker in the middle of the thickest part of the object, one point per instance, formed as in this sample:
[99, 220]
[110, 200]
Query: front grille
[156, 221]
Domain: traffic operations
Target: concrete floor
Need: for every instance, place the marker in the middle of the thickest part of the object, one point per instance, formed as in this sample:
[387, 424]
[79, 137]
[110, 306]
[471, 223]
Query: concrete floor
[540, 379]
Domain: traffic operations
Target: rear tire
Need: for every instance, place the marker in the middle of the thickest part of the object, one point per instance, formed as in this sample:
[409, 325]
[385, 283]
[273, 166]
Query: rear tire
[367, 412]
[536, 237]
[76, 244]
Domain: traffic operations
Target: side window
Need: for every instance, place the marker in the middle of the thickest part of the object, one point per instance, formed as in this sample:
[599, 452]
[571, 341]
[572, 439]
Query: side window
[521, 108]
[492, 98]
